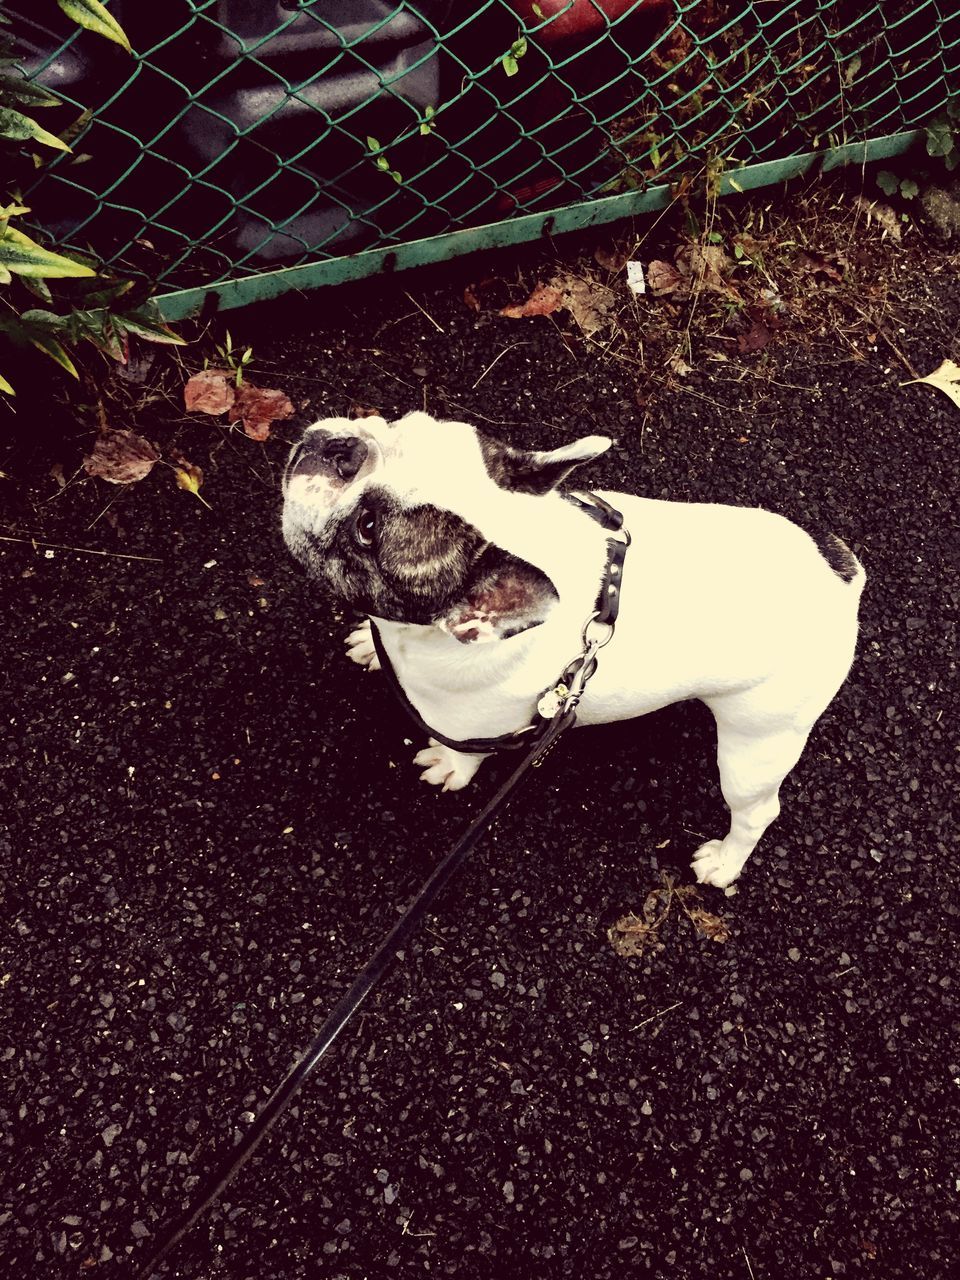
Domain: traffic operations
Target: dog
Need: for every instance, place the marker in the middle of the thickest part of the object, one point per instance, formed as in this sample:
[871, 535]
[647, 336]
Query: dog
[480, 575]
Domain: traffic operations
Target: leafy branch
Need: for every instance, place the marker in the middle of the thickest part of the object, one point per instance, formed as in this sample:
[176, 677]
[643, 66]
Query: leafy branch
[103, 312]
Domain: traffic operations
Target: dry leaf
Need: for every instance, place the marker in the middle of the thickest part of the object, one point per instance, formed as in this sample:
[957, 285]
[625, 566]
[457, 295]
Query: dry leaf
[258, 409]
[755, 338]
[190, 477]
[120, 457]
[363, 411]
[946, 379]
[815, 264]
[663, 278]
[631, 936]
[209, 391]
[611, 259]
[707, 265]
[765, 321]
[470, 298]
[882, 214]
[708, 925]
[542, 302]
[589, 302]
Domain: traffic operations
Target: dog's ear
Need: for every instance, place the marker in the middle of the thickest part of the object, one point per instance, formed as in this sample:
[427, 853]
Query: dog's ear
[505, 596]
[537, 471]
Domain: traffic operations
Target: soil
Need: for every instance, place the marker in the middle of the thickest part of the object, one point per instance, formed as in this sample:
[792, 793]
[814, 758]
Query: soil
[212, 818]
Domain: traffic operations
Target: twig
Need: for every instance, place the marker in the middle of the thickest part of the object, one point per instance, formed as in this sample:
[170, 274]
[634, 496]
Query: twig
[881, 332]
[105, 509]
[495, 359]
[86, 551]
[661, 1014]
[746, 1259]
[438, 327]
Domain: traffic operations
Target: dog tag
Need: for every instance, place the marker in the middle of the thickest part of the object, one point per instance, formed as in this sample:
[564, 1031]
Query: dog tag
[551, 702]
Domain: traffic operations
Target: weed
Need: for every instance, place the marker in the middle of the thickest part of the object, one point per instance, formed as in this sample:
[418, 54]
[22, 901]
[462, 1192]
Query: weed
[235, 361]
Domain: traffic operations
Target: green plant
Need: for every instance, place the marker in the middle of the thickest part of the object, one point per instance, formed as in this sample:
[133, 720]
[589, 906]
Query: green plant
[510, 59]
[380, 158]
[941, 144]
[229, 359]
[941, 138]
[102, 310]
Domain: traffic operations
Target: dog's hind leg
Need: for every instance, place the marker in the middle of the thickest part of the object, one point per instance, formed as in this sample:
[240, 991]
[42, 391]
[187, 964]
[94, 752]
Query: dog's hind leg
[360, 647]
[753, 761]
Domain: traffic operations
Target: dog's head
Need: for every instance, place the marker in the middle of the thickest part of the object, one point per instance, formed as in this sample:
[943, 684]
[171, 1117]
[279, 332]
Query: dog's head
[426, 522]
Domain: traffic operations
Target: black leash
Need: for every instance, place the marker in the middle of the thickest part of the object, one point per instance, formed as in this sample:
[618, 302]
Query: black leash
[565, 696]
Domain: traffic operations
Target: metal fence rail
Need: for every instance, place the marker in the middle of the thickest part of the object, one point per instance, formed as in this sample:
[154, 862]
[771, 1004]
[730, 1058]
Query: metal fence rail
[252, 146]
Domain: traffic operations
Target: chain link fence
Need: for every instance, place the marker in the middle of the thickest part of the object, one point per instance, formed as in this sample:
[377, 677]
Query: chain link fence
[252, 146]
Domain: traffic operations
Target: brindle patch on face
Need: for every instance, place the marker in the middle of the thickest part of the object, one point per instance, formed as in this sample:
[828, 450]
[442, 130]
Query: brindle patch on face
[426, 555]
[424, 565]
[419, 561]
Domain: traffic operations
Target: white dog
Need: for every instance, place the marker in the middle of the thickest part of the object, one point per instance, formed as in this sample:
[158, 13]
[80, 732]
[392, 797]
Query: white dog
[480, 576]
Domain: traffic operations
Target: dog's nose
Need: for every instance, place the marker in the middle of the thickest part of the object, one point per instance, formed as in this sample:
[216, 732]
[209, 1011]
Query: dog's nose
[317, 452]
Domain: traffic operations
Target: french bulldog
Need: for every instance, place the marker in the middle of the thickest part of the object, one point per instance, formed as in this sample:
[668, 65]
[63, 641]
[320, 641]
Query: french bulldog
[480, 575]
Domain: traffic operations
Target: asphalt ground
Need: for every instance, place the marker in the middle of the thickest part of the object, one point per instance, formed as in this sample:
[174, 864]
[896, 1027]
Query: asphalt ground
[212, 818]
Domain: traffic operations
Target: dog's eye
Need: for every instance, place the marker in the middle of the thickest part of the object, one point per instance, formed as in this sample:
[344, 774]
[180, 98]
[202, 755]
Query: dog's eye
[366, 527]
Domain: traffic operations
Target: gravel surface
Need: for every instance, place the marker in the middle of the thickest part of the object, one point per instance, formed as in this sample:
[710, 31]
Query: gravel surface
[212, 818]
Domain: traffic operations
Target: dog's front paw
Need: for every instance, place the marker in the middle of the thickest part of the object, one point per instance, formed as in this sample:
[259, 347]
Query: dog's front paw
[360, 647]
[710, 866]
[446, 768]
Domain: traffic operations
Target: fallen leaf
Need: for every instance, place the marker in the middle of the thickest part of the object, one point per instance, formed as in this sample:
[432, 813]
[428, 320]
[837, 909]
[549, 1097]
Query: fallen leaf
[815, 264]
[363, 411]
[881, 214]
[706, 265]
[765, 321]
[679, 366]
[589, 303]
[708, 925]
[946, 378]
[258, 409]
[209, 391]
[611, 259]
[190, 477]
[255, 580]
[755, 338]
[56, 473]
[120, 457]
[631, 936]
[470, 298]
[664, 278]
[542, 302]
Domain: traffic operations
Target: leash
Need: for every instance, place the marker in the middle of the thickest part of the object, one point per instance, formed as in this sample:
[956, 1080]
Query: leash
[543, 732]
